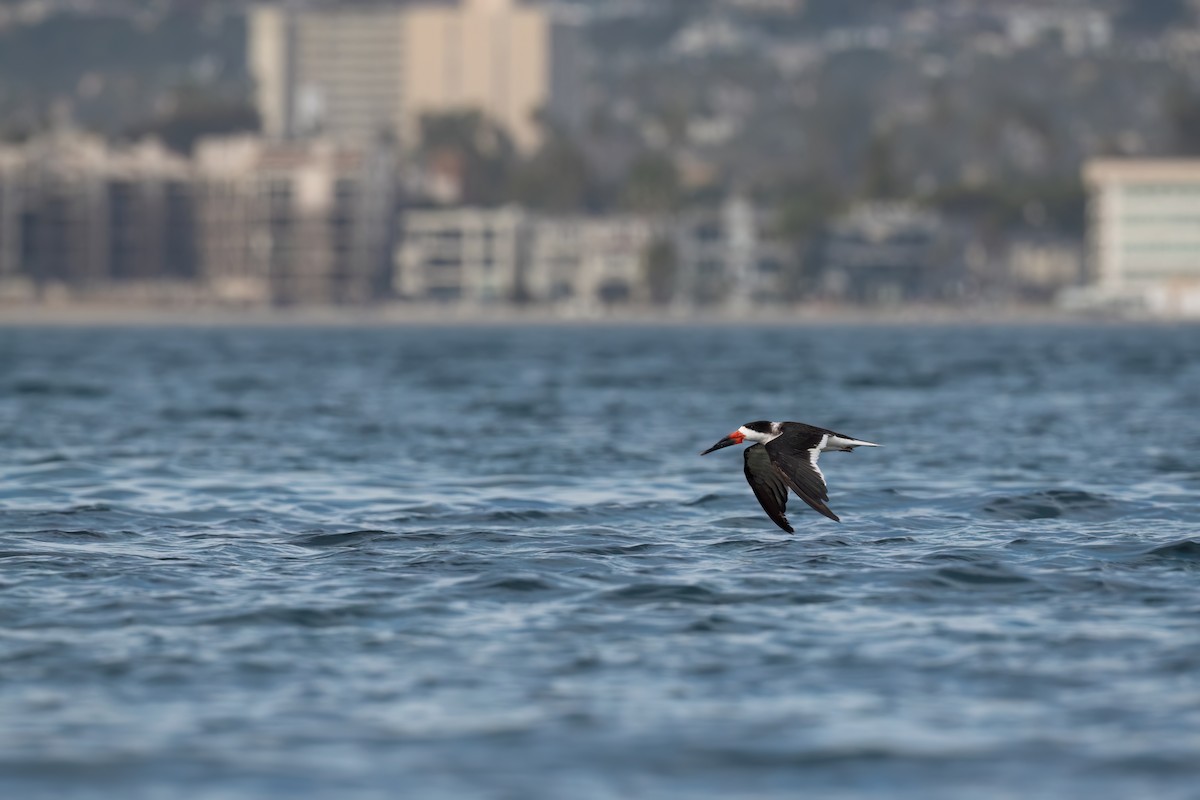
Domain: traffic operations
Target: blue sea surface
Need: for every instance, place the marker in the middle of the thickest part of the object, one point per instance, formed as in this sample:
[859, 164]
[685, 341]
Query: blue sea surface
[490, 563]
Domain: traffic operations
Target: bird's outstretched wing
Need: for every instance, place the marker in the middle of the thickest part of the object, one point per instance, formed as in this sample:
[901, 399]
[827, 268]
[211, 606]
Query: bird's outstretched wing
[794, 454]
[768, 484]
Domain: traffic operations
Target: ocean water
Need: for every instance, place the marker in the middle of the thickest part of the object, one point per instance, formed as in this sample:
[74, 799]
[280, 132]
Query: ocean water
[490, 563]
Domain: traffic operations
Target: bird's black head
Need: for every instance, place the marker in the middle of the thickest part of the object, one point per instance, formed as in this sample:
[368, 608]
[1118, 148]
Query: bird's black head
[742, 433]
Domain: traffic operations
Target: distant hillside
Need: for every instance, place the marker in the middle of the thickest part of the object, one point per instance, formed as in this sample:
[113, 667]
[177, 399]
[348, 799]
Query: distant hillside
[111, 69]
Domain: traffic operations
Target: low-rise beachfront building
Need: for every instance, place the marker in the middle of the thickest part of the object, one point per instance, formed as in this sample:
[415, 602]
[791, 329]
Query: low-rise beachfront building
[479, 256]
[886, 253]
[1039, 268]
[1144, 234]
[586, 264]
[462, 255]
[727, 258]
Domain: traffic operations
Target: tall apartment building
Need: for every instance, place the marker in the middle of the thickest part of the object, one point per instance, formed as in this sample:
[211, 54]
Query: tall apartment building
[329, 72]
[295, 222]
[77, 213]
[355, 73]
[1144, 232]
[246, 220]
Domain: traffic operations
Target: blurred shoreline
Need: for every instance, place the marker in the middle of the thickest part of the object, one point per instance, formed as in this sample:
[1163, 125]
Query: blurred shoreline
[94, 315]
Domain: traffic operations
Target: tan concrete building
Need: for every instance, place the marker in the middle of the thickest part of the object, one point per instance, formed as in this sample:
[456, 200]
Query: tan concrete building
[356, 72]
[246, 220]
[1144, 233]
[78, 213]
[294, 223]
[492, 55]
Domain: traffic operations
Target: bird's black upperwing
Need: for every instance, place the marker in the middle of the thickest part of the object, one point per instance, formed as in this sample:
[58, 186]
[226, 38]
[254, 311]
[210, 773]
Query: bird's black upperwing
[794, 454]
[768, 484]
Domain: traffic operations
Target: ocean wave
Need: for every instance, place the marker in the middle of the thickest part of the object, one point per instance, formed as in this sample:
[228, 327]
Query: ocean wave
[1051, 504]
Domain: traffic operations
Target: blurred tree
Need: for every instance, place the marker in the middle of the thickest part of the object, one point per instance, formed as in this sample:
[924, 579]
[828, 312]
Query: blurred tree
[805, 209]
[18, 128]
[1182, 110]
[480, 150]
[1065, 203]
[829, 13]
[879, 179]
[997, 209]
[652, 184]
[839, 135]
[1153, 16]
[661, 264]
[673, 116]
[557, 177]
[115, 62]
[839, 13]
[194, 112]
[652, 32]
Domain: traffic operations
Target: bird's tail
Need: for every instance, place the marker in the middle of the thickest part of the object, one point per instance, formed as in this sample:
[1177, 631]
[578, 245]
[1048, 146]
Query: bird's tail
[847, 444]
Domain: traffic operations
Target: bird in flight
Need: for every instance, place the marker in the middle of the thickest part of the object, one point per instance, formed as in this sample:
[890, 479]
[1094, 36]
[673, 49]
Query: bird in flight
[784, 457]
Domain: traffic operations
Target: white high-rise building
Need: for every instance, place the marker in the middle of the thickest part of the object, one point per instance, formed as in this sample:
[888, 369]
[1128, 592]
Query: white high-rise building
[331, 72]
[357, 73]
[1144, 232]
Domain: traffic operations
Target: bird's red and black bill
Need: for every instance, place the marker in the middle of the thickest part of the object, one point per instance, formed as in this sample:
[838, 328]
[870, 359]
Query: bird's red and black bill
[737, 437]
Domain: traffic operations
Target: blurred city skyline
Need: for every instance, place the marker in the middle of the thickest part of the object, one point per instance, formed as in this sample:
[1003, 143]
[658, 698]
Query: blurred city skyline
[585, 158]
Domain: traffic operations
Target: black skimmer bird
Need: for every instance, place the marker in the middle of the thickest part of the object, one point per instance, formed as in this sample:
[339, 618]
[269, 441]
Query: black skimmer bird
[784, 457]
